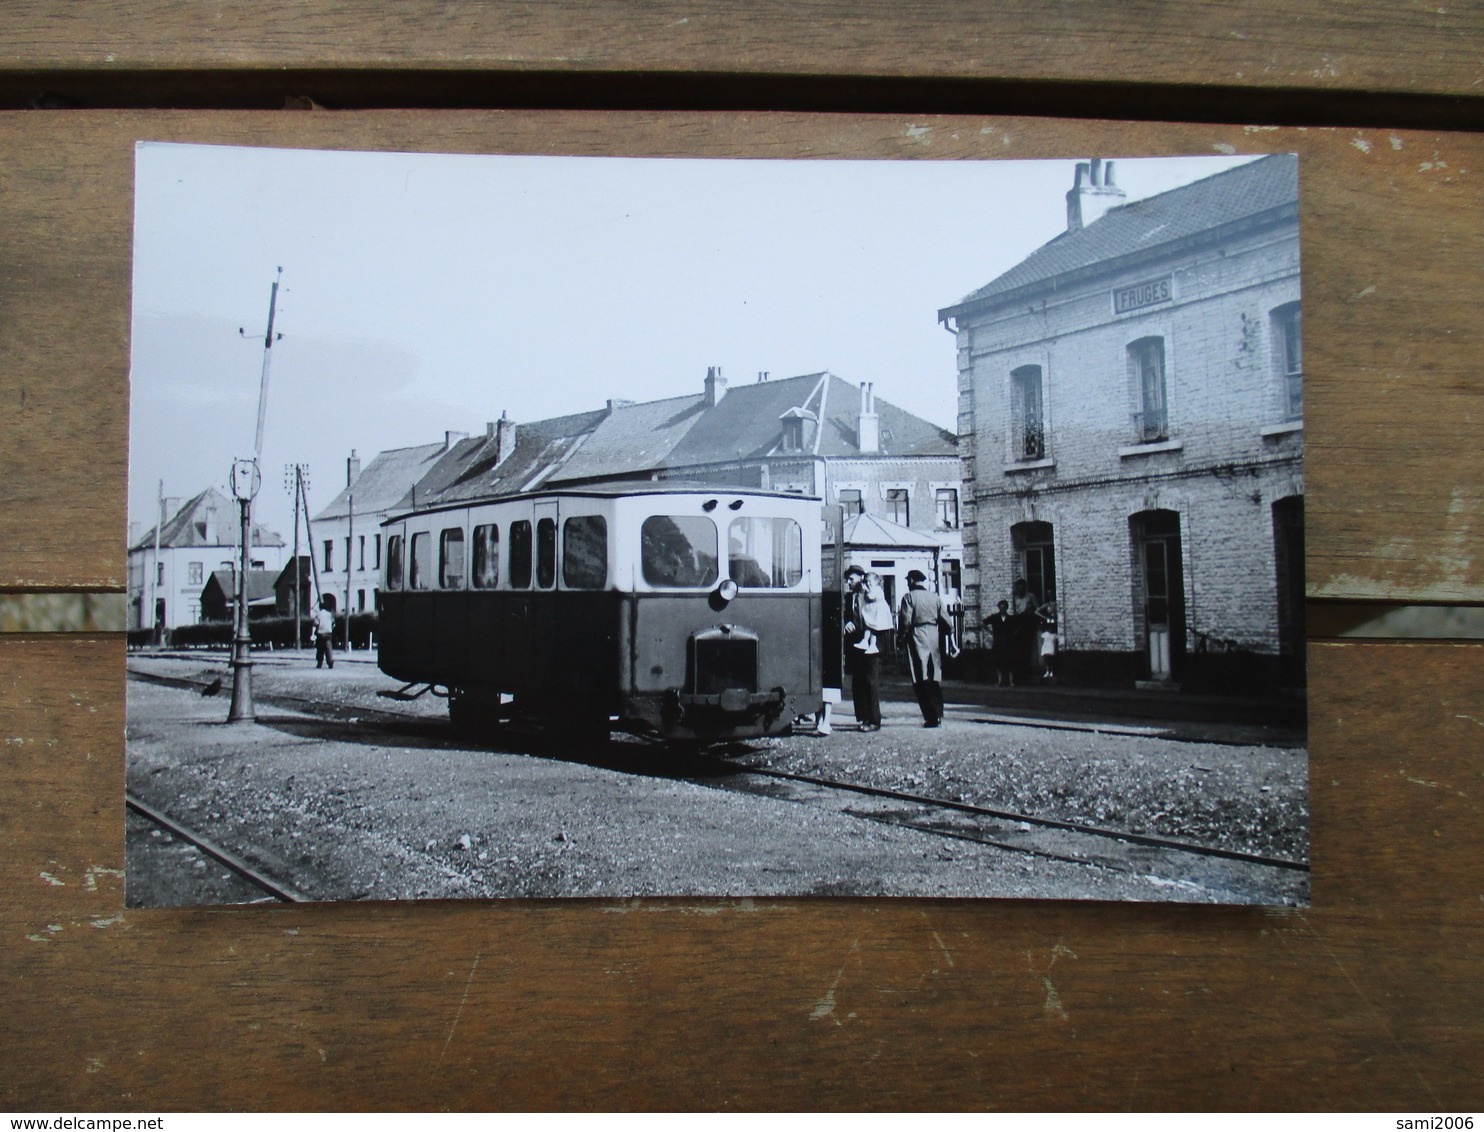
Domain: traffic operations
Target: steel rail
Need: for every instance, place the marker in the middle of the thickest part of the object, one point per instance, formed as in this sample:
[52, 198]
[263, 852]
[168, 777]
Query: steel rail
[1032, 819]
[273, 888]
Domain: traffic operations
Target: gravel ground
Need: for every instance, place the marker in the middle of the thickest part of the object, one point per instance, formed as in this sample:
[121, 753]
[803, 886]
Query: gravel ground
[1252, 799]
[346, 811]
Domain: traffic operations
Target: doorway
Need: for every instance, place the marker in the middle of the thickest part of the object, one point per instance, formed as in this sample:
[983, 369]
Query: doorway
[1159, 592]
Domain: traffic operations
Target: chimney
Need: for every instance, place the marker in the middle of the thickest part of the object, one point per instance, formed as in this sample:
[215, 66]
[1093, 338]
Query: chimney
[450, 438]
[504, 433]
[868, 424]
[716, 386]
[352, 468]
[1093, 193]
[210, 535]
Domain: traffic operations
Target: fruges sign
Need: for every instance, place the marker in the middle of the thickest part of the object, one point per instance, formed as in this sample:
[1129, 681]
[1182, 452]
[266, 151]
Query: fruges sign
[1149, 293]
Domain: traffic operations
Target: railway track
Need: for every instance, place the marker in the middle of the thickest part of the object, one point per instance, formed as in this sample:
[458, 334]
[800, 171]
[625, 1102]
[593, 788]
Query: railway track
[255, 877]
[1038, 835]
[928, 806]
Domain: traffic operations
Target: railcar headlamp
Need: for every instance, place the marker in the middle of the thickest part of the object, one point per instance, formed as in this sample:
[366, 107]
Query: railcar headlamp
[727, 590]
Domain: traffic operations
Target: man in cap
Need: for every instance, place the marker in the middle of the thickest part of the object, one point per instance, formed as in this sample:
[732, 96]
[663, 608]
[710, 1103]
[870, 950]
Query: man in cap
[922, 621]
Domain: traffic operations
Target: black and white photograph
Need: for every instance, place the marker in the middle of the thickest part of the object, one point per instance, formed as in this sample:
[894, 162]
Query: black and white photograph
[515, 526]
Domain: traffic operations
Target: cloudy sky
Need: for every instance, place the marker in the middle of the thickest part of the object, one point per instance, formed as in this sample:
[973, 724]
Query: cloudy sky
[426, 292]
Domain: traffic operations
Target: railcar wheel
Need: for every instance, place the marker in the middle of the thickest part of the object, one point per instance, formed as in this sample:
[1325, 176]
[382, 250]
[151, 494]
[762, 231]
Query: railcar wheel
[473, 714]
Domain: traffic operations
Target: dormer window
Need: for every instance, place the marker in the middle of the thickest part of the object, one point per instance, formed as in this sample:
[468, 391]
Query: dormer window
[797, 430]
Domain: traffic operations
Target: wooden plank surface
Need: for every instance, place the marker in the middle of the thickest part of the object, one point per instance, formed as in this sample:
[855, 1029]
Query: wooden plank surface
[1404, 46]
[1368, 1000]
[1393, 277]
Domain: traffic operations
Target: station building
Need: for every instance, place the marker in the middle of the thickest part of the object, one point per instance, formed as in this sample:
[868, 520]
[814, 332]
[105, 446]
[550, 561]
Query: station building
[1131, 430]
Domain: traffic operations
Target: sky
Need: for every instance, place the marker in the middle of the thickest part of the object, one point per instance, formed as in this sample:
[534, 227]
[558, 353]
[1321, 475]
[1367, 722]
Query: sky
[429, 292]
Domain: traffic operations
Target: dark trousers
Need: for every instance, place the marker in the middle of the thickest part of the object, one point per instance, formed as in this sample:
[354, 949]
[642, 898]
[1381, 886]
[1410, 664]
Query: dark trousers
[865, 686]
[930, 700]
[324, 655]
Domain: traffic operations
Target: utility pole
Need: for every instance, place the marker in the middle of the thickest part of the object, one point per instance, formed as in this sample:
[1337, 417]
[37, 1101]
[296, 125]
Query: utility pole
[350, 538]
[300, 481]
[245, 483]
[156, 628]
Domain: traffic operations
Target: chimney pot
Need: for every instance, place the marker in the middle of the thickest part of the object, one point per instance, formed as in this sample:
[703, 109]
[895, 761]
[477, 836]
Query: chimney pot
[1093, 193]
[504, 430]
[868, 424]
[715, 387]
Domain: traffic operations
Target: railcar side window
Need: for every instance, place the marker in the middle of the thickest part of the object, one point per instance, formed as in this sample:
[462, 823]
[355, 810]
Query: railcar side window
[678, 550]
[585, 552]
[486, 556]
[765, 553]
[394, 562]
[546, 553]
[451, 559]
[421, 572]
[520, 554]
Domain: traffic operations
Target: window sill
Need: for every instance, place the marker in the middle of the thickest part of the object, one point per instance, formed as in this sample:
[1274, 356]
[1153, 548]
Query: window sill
[1150, 448]
[1030, 465]
[1281, 429]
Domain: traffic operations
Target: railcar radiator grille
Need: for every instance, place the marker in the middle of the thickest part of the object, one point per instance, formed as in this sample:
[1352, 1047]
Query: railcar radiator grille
[724, 663]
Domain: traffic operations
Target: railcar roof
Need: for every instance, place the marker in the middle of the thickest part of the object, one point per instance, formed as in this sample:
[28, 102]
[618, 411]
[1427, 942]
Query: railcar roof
[609, 491]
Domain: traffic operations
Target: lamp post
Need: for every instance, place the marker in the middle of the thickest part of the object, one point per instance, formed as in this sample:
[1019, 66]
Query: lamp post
[244, 487]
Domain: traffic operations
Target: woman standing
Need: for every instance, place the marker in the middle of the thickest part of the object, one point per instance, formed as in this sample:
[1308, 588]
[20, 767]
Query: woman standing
[872, 614]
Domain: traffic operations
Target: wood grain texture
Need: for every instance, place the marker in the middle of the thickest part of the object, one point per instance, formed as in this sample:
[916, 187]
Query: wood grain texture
[1372, 45]
[1368, 1000]
[1393, 263]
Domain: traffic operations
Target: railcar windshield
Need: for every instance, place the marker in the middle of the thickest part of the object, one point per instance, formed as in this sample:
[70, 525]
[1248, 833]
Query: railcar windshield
[679, 550]
[765, 553]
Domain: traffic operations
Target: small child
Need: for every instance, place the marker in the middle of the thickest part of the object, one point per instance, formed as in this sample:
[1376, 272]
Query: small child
[1048, 640]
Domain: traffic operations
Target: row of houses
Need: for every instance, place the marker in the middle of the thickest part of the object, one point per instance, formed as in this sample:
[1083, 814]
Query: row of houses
[1129, 444]
[895, 476]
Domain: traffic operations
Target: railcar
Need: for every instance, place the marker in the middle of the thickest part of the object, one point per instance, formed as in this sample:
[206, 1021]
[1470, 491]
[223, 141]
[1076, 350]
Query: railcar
[686, 612]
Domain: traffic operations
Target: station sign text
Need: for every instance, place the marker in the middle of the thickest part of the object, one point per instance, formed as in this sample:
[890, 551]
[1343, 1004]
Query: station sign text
[1149, 293]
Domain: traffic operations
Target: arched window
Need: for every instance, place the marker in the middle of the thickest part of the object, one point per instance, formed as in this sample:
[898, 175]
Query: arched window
[1288, 359]
[1146, 367]
[1027, 415]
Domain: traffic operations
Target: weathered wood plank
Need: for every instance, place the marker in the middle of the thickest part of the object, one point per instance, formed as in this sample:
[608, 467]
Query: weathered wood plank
[1370, 999]
[1365, 45]
[1393, 257]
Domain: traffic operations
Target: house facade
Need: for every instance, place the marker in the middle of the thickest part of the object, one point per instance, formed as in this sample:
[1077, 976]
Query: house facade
[1131, 428]
[345, 535]
[199, 537]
